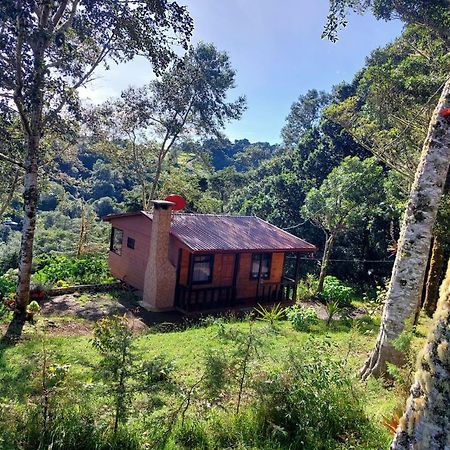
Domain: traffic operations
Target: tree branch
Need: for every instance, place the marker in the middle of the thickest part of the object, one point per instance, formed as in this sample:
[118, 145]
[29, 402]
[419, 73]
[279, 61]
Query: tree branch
[11, 160]
[64, 27]
[59, 13]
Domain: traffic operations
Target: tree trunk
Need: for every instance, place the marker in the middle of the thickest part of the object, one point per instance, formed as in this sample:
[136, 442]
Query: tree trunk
[435, 274]
[30, 200]
[426, 422]
[155, 181]
[409, 269]
[325, 259]
[32, 124]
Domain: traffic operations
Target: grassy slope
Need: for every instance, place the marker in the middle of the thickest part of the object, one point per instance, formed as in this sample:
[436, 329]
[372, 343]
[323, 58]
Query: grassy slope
[186, 348]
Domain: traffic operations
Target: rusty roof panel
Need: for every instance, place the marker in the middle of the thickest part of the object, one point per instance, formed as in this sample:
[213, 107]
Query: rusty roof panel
[214, 233]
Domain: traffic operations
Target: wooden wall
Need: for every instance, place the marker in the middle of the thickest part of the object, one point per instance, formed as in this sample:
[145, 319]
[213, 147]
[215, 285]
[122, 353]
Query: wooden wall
[246, 287]
[130, 266]
[224, 268]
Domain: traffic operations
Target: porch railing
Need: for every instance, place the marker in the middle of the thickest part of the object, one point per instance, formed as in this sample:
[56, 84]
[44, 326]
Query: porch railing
[277, 292]
[201, 299]
[190, 299]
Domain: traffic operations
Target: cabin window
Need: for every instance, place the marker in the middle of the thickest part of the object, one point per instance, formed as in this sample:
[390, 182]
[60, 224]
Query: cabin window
[261, 265]
[116, 241]
[130, 243]
[202, 269]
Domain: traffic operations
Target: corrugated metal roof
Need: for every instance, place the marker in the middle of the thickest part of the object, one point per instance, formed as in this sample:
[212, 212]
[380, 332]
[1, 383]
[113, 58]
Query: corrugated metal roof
[213, 233]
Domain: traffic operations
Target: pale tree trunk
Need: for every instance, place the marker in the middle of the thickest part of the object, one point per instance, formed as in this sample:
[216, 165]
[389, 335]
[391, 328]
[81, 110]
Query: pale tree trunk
[30, 198]
[414, 245]
[32, 124]
[426, 422]
[325, 260]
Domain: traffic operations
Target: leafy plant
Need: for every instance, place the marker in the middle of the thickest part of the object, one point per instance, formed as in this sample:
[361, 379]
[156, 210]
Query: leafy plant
[246, 345]
[307, 287]
[332, 309]
[90, 268]
[33, 307]
[311, 401]
[270, 315]
[335, 290]
[112, 338]
[8, 283]
[302, 318]
[216, 373]
[404, 375]
[122, 370]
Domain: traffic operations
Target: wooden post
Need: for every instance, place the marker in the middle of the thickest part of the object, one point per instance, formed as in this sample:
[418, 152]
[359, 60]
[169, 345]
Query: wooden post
[297, 276]
[189, 283]
[237, 260]
[259, 275]
[177, 285]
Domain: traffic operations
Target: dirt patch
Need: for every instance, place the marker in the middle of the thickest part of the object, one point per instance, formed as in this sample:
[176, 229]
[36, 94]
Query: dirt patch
[86, 309]
[67, 327]
[321, 310]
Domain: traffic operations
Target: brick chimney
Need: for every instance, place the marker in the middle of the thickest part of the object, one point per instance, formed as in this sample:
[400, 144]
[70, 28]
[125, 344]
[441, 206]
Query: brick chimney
[160, 274]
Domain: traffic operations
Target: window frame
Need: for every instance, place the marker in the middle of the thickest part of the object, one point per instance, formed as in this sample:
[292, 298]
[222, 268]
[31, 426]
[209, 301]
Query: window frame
[111, 241]
[210, 256]
[131, 242]
[259, 256]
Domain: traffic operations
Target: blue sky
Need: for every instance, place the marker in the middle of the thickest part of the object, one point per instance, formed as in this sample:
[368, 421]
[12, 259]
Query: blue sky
[276, 49]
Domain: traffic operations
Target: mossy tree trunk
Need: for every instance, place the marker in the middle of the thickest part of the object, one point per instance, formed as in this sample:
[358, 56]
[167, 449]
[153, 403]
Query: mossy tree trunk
[426, 422]
[408, 274]
[434, 278]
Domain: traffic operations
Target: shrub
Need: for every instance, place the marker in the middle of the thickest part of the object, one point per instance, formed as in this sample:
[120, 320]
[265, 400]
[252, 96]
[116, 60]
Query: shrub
[302, 318]
[311, 403]
[332, 309]
[335, 290]
[92, 268]
[8, 283]
[307, 288]
[270, 315]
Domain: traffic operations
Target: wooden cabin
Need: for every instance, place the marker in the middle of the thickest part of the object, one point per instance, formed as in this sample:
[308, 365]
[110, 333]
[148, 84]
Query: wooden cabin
[201, 262]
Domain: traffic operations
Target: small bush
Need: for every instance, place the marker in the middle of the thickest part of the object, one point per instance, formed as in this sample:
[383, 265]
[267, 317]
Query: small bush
[307, 288]
[311, 402]
[302, 318]
[8, 283]
[62, 269]
[332, 309]
[334, 290]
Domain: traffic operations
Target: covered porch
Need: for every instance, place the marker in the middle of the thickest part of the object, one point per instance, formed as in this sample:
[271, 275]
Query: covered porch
[250, 284]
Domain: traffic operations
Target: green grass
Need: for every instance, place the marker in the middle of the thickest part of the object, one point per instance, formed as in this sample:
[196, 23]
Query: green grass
[186, 348]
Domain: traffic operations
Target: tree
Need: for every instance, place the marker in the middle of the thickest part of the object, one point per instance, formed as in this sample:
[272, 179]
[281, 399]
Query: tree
[408, 274]
[433, 14]
[426, 421]
[49, 49]
[389, 114]
[347, 197]
[190, 98]
[303, 116]
[413, 248]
